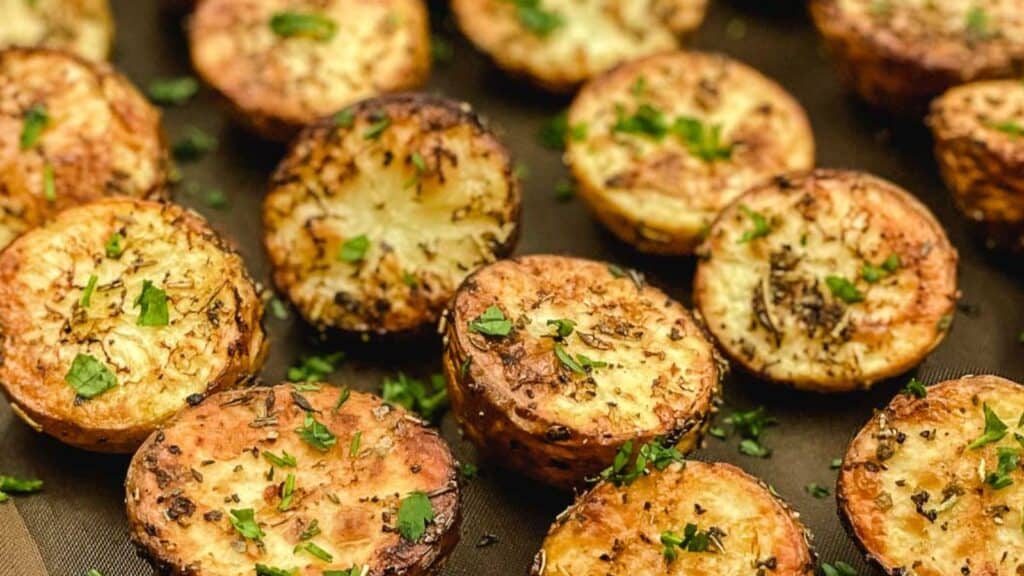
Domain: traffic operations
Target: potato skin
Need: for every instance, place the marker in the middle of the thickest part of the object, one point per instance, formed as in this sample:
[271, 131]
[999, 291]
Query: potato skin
[81, 27]
[276, 85]
[910, 492]
[617, 530]
[213, 340]
[595, 36]
[186, 478]
[982, 165]
[655, 194]
[102, 138]
[527, 411]
[900, 58]
[768, 302]
[459, 210]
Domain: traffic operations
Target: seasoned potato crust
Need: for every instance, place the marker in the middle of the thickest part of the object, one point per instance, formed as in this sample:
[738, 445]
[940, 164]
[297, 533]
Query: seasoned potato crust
[278, 81]
[82, 27]
[922, 497]
[618, 530]
[66, 291]
[240, 450]
[97, 136]
[376, 216]
[979, 145]
[899, 54]
[581, 39]
[634, 367]
[827, 281]
[663, 144]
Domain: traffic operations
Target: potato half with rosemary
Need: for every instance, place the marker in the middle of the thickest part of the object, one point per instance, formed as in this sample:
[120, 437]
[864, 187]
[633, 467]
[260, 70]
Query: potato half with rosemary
[81, 27]
[693, 519]
[117, 314]
[979, 145]
[827, 281]
[71, 131]
[553, 363]
[376, 215]
[559, 44]
[933, 485]
[899, 54]
[294, 480]
[282, 64]
[659, 146]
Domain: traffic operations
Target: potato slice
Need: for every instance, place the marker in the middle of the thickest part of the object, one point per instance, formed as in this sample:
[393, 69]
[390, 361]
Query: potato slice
[81, 27]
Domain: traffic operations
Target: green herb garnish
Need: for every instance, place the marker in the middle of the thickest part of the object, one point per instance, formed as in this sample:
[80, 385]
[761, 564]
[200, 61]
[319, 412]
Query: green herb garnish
[691, 540]
[373, 131]
[315, 368]
[263, 570]
[414, 512]
[915, 388]
[491, 323]
[428, 399]
[840, 568]
[173, 91]
[702, 140]
[36, 120]
[89, 377]
[315, 551]
[193, 145]
[816, 490]
[287, 493]
[244, 521]
[285, 460]
[536, 19]
[344, 118]
[871, 273]
[563, 327]
[580, 364]
[353, 445]
[303, 25]
[654, 453]
[761, 226]
[645, 121]
[114, 246]
[976, 24]
[354, 249]
[995, 429]
[844, 289]
[49, 185]
[556, 132]
[153, 302]
[1008, 127]
[316, 434]
[1009, 460]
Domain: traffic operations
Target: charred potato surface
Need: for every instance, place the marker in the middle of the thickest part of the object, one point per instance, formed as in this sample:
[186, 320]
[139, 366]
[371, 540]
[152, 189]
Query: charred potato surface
[71, 131]
[739, 527]
[282, 64]
[932, 485]
[827, 281]
[377, 215]
[118, 313]
[553, 363]
[82, 27]
[562, 43]
[979, 145]
[658, 147]
[899, 54]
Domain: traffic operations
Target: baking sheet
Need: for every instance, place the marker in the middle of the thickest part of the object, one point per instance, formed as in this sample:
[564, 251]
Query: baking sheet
[77, 523]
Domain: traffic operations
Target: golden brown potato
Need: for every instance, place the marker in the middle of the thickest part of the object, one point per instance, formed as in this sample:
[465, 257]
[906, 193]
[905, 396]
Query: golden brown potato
[562, 43]
[659, 146]
[827, 281]
[932, 487]
[71, 131]
[739, 527]
[899, 54]
[322, 479]
[117, 314]
[282, 64]
[81, 27]
[553, 363]
[377, 215]
[979, 145]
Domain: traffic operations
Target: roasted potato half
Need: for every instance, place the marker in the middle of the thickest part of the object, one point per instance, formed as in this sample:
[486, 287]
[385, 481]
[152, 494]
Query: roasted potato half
[553, 363]
[282, 64]
[979, 145]
[376, 215]
[899, 54]
[303, 481]
[81, 27]
[829, 281]
[693, 518]
[659, 146]
[559, 44]
[932, 485]
[71, 131]
[118, 313]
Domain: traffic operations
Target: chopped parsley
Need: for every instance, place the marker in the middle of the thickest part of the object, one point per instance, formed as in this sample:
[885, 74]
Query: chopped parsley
[871, 273]
[718, 432]
[216, 199]
[836, 463]
[285, 460]
[977, 25]
[87, 293]
[315, 368]
[193, 145]
[915, 388]
[428, 399]
[316, 434]
[36, 120]
[353, 446]
[491, 323]
[645, 121]
[468, 470]
[702, 141]
[374, 130]
[654, 453]
[114, 246]
[563, 327]
[564, 191]
[414, 512]
[536, 19]
[263, 570]
[761, 226]
[1009, 460]
[354, 249]
[153, 304]
[995, 429]
[244, 521]
[840, 568]
[278, 308]
[89, 377]
[751, 447]
[315, 551]
[691, 540]
[11, 485]
[817, 490]
[580, 364]
[342, 398]
[311, 531]
[556, 132]
[1008, 127]
[750, 425]
[287, 493]
[353, 571]
[303, 25]
[173, 91]
[49, 185]
[844, 289]
[344, 118]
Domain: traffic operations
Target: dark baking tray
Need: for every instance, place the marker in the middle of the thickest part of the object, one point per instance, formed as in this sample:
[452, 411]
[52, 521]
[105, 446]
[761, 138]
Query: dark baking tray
[78, 522]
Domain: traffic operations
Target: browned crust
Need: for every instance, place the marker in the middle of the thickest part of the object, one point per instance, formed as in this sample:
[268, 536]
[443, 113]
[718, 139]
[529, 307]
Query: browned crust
[900, 76]
[498, 388]
[163, 473]
[311, 149]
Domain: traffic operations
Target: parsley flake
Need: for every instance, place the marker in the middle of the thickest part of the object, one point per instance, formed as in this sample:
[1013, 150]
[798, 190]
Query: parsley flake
[1008, 127]
[36, 120]
[353, 446]
[114, 246]
[373, 131]
[563, 327]
[49, 185]
[995, 429]
[244, 521]
[817, 490]
[315, 368]
[263, 570]
[761, 226]
[153, 302]
[654, 453]
[287, 493]
[1009, 460]
[915, 388]
[344, 118]
[556, 132]
[414, 512]
[537, 20]
[428, 399]
[315, 551]
[354, 249]
[87, 293]
[303, 25]
[840, 568]
[976, 24]
[89, 377]
[691, 540]
[702, 141]
[844, 289]
[285, 460]
[173, 91]
[193, 145]
[871, 273]
[316, 434]
[580, 364]
[491, 323]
